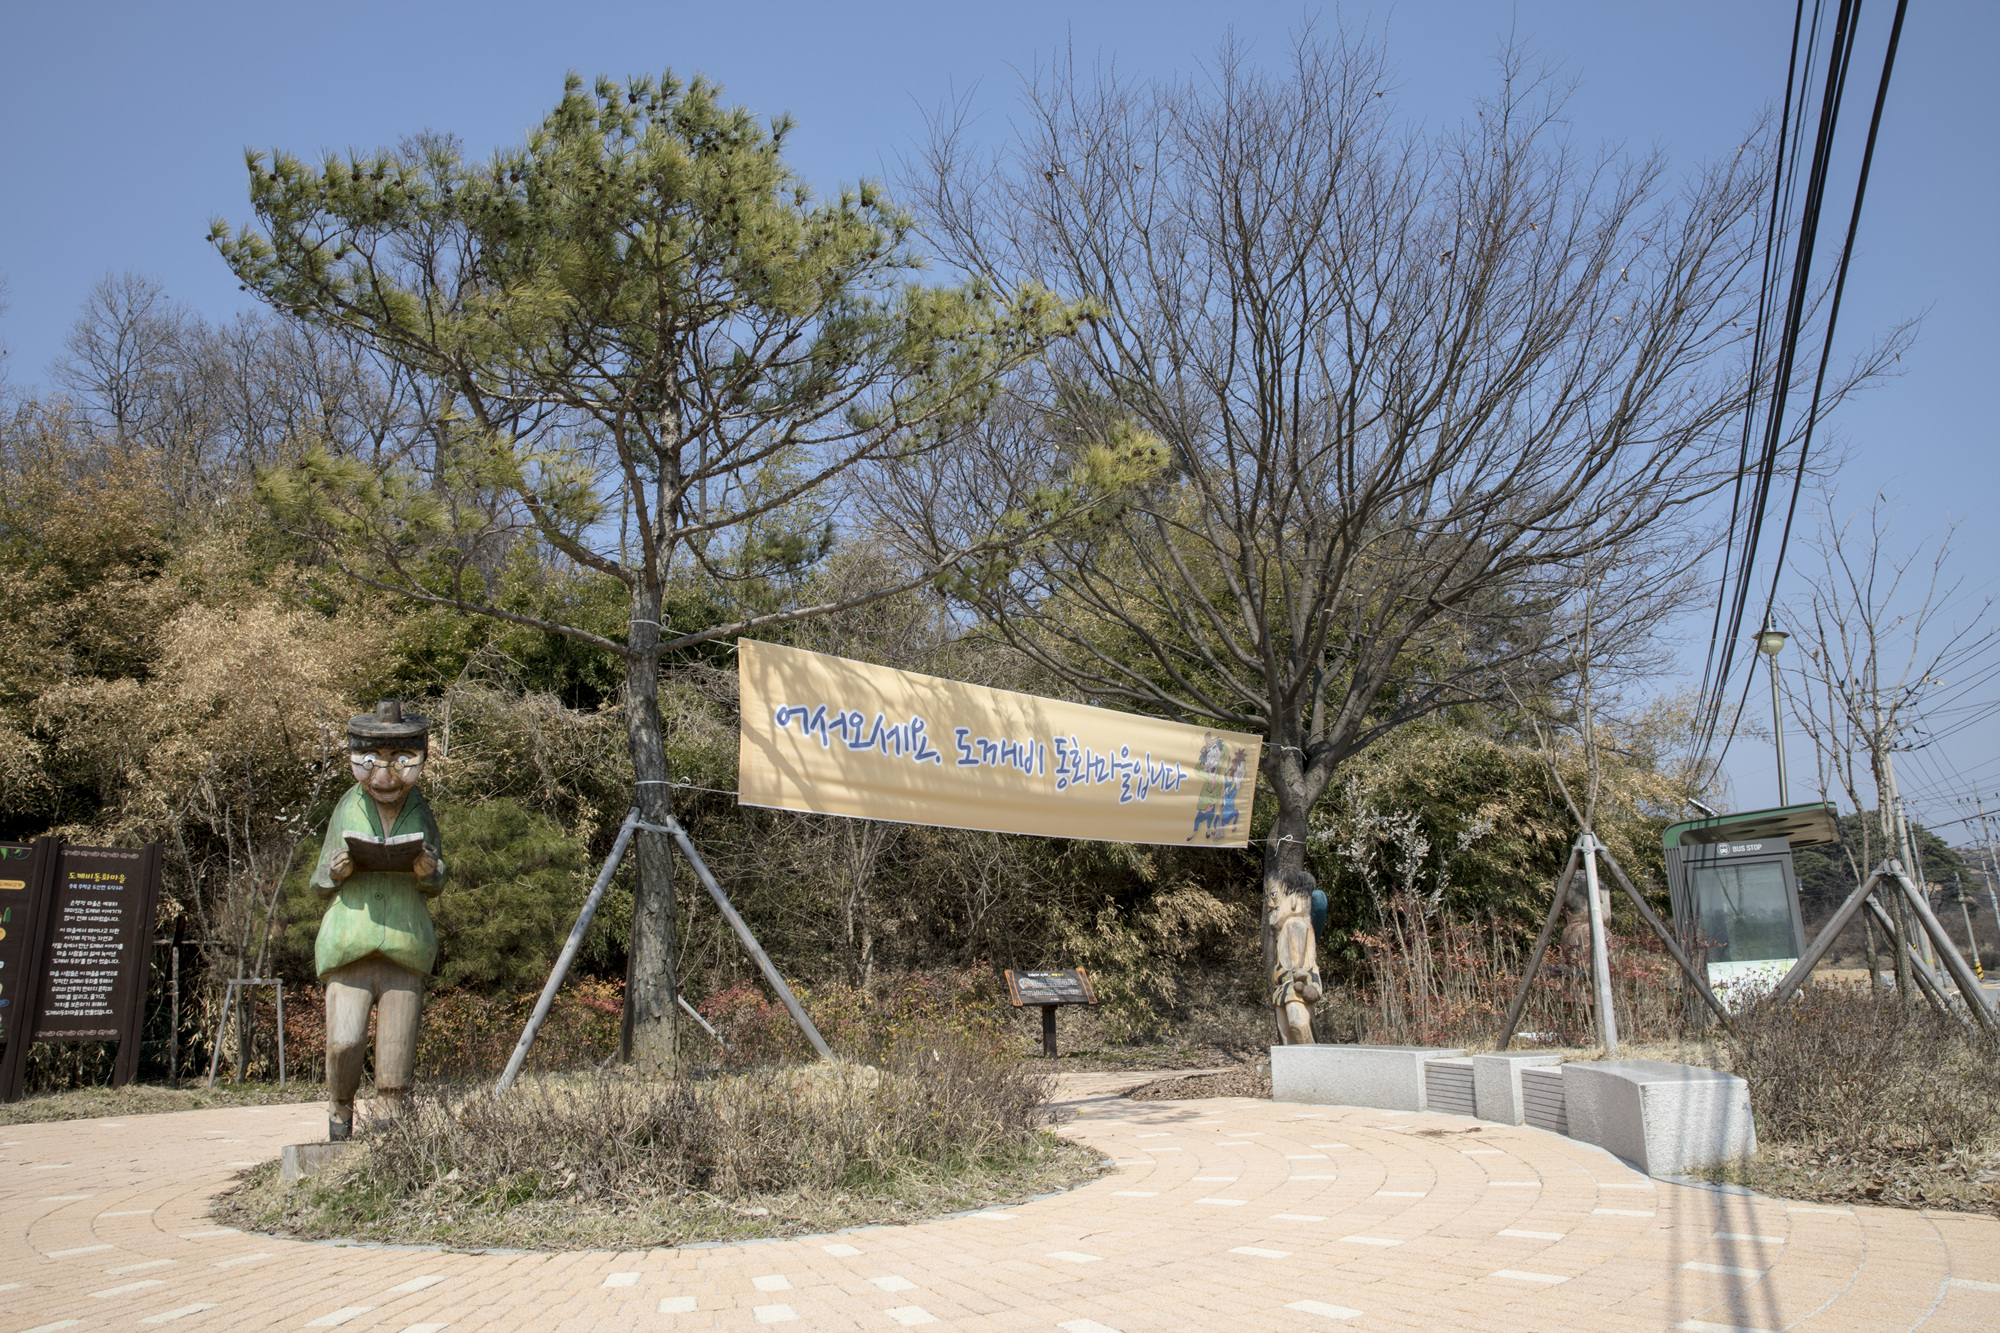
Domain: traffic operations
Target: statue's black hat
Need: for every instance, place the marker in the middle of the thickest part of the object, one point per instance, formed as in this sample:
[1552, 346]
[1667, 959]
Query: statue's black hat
[389, 725]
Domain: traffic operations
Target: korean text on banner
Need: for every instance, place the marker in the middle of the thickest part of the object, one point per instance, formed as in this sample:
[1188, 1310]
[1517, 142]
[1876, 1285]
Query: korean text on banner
[831, 736]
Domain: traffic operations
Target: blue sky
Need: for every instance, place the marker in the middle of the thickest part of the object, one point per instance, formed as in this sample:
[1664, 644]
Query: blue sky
[122, 128]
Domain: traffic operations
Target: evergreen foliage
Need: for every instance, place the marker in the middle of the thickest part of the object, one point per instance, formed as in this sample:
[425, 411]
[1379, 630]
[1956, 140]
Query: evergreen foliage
[1826, 876]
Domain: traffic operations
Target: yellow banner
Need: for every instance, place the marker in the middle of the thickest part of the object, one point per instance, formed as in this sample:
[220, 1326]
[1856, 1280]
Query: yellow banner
[836, 737]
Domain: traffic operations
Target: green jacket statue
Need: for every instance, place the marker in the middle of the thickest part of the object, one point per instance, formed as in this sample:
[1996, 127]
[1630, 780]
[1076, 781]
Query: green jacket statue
[377, 911]
[376, 942]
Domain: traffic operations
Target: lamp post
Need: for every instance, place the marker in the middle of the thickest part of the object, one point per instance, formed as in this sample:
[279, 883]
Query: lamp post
[1769, 641]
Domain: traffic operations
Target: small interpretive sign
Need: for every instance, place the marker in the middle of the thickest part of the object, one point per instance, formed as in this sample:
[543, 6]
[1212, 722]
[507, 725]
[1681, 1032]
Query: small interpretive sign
[94, 975]
[20, 872]
[1048, 991]
[1032, 988]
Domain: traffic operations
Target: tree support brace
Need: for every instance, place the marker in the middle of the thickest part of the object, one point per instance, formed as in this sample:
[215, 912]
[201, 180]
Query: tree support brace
[560, 971]
[1589, 841]
[1891, 871]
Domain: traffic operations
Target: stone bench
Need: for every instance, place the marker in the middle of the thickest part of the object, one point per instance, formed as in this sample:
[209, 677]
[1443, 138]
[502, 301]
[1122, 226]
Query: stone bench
[1387, 1078]
[1496, 1084]
[1665, 1119]
[1542, 1099]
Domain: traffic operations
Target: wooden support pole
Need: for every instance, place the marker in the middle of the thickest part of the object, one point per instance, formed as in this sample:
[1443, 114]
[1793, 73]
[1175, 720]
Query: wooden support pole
[1049, 1031]
[736, 923]
[1541, 947]
[1920, 972]
[568, 954]
[221, 1031]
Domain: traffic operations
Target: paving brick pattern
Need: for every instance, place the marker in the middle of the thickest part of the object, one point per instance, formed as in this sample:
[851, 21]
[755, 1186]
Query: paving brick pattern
[1221, 1214]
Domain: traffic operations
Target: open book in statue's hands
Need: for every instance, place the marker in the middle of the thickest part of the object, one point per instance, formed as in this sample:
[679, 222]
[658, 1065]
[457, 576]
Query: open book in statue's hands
[398, 854]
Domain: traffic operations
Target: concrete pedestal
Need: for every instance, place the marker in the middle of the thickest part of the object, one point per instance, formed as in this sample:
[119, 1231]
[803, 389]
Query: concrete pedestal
[305, 1159]
[1665, 1119]
[1388, 1078]
[1496, 1084]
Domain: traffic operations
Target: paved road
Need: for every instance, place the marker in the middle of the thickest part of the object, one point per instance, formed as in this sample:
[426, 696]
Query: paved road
[1222, 1214]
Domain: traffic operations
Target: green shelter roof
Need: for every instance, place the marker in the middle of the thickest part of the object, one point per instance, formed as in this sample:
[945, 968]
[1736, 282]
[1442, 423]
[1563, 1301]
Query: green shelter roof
[1804, 825]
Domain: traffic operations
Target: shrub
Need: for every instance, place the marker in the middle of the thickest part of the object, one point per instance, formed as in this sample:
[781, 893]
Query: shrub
[514, 883]
[465, 1034]
[846, 1127]
[1858, 1075]
[1461, 997]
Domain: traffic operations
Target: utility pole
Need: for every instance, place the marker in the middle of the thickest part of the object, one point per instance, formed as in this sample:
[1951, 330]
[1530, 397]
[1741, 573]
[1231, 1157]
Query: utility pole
[1971, 940]
[1600, 954]
[1916, 864]
[1992, 899]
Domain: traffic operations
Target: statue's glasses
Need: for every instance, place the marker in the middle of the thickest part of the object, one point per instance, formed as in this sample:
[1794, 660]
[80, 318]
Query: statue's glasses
[403, 763]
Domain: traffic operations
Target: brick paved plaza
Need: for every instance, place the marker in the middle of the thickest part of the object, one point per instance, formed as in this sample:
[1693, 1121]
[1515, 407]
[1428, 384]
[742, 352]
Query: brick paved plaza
[1221, 1214]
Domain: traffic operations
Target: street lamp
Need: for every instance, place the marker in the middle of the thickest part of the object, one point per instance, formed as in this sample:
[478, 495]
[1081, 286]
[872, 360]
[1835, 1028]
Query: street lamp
[1769, 642]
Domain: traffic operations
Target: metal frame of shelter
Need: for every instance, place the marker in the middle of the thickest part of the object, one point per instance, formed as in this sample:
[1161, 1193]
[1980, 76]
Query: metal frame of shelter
[1811, 825]
[1814, 825]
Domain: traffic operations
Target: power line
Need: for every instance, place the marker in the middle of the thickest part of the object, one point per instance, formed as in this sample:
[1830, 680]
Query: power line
[1839, 289]
[1762, 329]
[1834, 92]
[1801, 268]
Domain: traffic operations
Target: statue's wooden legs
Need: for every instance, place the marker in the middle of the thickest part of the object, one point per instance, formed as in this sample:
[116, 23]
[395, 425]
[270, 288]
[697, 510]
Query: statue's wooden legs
[1296, 1019]
[396, 993]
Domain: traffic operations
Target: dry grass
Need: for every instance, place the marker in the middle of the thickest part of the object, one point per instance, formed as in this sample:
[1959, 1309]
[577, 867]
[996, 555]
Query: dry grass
[610, 1162]
[1859, 1099]
[1459, 997]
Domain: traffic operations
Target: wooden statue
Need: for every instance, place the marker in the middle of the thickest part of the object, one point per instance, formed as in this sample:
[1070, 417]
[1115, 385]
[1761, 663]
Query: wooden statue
[379, 864]
[1295, 981]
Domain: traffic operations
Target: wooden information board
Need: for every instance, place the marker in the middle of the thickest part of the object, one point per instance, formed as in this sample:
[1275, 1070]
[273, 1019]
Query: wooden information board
[22, 893]
[1047, 991]
[76, 969]
[1067, 987]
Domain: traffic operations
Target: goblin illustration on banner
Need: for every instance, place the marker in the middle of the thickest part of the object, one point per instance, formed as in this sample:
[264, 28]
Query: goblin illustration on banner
[1222, 768]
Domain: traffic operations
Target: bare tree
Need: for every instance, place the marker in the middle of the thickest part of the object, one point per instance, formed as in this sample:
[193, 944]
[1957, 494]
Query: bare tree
[1883, 648]
[121, 353]
[1410, 382]
[215, 403]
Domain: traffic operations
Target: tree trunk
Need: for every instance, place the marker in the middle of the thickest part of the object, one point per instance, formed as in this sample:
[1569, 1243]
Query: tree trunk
[1885, 806]
[652, 1020]
[1284, 851]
